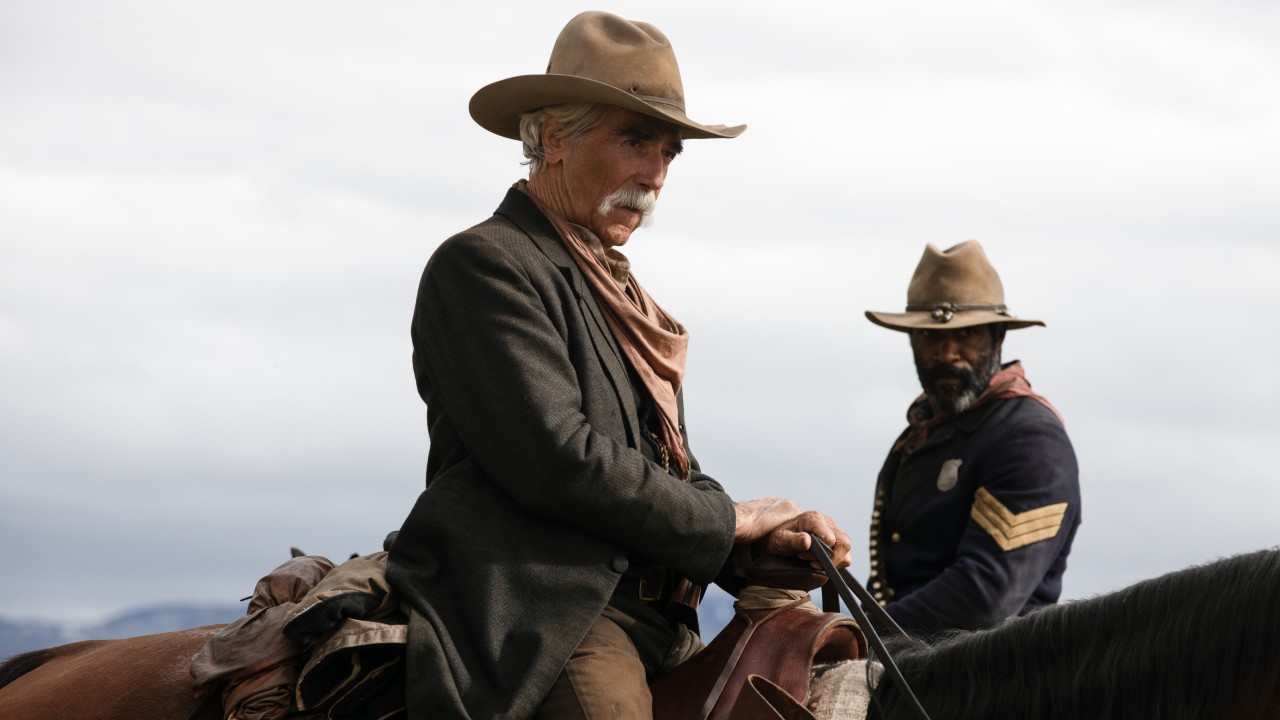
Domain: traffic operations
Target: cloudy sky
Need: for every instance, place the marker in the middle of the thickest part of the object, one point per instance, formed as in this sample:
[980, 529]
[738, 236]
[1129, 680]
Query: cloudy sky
[213, 217]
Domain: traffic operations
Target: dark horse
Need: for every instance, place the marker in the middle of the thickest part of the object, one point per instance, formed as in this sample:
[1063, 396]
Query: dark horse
[1200, 643]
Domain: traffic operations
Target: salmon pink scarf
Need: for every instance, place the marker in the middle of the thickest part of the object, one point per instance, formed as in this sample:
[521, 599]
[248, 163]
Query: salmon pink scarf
[654, 342]
[1010, 382]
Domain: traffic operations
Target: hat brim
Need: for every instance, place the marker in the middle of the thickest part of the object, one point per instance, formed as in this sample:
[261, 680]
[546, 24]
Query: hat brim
[906, 322]
[497, 107]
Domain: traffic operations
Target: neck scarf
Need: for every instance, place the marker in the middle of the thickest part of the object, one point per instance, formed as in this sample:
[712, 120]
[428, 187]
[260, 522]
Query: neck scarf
[653, 341]
[1010, 382]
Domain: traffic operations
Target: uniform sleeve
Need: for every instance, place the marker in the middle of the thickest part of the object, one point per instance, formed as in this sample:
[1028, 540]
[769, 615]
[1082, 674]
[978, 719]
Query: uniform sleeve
[494, 342]
[1025, 512]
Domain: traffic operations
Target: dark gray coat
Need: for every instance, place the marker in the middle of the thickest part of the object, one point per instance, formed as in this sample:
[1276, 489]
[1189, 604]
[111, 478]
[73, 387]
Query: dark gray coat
[537, 496]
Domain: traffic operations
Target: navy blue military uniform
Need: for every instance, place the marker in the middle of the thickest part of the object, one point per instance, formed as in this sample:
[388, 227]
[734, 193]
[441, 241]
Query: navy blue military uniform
[975, 525]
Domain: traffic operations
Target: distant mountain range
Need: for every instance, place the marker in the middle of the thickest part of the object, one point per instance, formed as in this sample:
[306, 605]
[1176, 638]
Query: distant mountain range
[21, 636]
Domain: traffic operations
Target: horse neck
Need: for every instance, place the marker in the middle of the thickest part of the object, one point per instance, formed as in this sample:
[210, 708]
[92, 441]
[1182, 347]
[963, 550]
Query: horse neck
[1200, 643]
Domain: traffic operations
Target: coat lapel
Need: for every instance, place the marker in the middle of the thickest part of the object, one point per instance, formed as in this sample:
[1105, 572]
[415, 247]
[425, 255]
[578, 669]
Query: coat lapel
[521, 211]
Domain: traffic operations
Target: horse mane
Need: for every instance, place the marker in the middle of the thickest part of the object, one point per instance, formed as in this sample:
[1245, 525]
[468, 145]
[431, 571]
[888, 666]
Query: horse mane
[1202, 642]
[19, 665]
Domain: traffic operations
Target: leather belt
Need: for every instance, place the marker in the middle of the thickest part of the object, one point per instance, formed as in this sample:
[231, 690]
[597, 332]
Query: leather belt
[649, 584]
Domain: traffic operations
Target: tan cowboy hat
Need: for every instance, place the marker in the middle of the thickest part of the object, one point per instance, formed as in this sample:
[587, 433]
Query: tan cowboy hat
[598, 58]
[951, 289]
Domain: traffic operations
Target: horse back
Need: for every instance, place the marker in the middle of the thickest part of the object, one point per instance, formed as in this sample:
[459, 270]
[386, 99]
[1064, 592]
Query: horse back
[138, 678]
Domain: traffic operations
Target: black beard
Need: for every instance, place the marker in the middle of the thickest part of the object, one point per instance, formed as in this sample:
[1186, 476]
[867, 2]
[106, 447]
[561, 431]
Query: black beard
[972, 384]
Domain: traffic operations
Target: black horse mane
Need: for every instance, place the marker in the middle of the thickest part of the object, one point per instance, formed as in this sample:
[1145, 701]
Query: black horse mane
[1203, 642]
[19, 665]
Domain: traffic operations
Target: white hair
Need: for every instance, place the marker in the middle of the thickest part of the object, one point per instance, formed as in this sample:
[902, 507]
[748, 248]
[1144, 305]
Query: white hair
[575, 120]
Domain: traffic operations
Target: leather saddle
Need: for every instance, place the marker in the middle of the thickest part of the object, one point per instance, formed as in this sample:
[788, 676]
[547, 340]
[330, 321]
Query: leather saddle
[773, 647]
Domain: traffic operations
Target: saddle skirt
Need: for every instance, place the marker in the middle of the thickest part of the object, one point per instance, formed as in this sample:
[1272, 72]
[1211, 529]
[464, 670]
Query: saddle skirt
[776, 634]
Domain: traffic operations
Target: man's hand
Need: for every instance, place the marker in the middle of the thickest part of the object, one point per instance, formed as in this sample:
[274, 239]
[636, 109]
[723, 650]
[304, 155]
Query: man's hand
[784, 529]
[792, 538]
[757, 518]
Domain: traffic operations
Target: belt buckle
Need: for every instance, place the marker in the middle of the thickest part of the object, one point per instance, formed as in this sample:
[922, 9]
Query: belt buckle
[652, 584]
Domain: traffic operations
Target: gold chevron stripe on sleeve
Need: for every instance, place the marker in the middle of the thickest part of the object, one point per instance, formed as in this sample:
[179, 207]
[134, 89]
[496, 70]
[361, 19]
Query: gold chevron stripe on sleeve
[1014, 530]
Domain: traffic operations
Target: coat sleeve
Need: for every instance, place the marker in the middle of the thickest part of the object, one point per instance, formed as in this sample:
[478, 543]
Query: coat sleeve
[492, 333]
[1025, 512]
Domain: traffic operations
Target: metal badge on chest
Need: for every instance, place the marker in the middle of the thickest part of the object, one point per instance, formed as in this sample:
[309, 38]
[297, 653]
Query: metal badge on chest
[949, 474]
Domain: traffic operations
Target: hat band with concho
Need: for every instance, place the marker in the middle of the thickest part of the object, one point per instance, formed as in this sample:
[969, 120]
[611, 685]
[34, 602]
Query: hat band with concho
[952, 289]
[598, 58]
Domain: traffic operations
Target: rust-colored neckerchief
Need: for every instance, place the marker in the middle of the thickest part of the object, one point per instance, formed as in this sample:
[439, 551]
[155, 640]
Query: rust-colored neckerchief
[1010, 382]
[654, 342]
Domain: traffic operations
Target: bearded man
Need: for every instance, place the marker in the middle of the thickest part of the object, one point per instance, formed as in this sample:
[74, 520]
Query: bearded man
[564, 517]
[979, 500]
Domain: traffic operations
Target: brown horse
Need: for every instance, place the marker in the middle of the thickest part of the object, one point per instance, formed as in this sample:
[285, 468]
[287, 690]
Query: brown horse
[144, 678]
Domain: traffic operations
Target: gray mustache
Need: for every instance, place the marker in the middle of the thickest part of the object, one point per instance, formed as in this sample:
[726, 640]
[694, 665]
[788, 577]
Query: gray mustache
[643, 201]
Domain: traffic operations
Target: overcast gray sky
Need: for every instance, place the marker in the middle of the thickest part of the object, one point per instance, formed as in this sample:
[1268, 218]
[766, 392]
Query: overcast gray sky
[213, 217]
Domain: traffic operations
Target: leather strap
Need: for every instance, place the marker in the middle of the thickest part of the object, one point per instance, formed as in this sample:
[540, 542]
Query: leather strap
[761, 699]
[831, 602]
[843, 581]
[714, 696]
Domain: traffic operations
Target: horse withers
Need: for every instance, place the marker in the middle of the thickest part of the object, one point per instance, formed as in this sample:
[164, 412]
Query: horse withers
[139, 678]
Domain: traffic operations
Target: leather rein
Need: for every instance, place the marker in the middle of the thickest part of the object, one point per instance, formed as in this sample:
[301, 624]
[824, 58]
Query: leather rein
[840, 582]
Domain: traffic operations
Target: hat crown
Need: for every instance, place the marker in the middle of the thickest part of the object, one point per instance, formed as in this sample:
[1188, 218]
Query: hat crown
[635, 57]
[960, 275]
[598, 58]
[952, 289]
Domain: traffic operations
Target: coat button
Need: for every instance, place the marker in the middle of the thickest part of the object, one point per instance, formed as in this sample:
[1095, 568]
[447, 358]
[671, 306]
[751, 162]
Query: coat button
[895, 537]
[620, 564]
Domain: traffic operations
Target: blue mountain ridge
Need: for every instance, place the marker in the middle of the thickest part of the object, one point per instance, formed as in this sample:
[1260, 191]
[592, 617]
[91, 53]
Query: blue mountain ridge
[18, 636]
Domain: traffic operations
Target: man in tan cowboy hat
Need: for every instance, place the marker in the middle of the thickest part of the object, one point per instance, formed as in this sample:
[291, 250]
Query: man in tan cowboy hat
[563, 509]
[978, 501]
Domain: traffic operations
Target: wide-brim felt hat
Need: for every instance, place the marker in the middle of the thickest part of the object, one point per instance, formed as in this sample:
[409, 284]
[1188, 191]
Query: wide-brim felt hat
[951, 289]
[598, 58]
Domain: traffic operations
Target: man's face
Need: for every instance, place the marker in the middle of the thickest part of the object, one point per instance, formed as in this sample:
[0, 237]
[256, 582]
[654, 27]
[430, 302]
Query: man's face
[954, 366]
[612, 175]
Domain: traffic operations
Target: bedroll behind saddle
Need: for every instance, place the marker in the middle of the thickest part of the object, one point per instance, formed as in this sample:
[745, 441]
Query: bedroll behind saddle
[776, 634]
